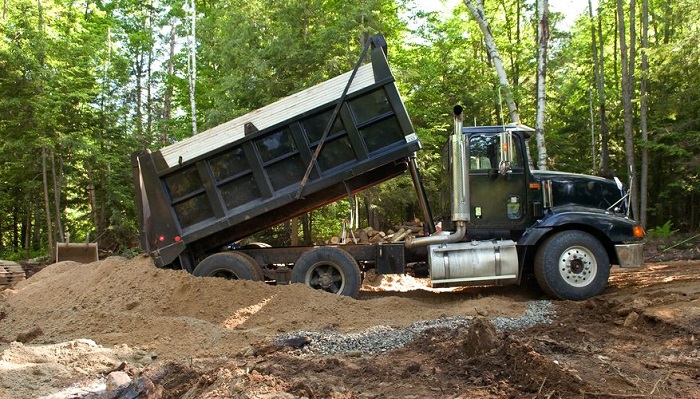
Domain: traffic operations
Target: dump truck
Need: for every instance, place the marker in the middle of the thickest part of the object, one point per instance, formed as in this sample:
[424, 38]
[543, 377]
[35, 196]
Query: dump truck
[198, 196]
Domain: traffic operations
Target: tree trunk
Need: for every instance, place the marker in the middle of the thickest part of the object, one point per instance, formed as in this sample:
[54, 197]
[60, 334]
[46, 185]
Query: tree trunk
[598, 67]
[476, 7]
[15, 229]
[138, 71]
[513, 48]
[47, 205]
[149, 79]
[306, 228]
[668, 17]
[542, 41]
[36, 231]
[92, 194]
[26, 231]
[167, 101]
[192, 66]
[57, 198]
[643, 188]
[592, 118]
[625, 69]
[518, 38]
[294, 233]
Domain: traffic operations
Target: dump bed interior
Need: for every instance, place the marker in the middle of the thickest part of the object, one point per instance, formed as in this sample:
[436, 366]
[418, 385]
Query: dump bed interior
[246, 175]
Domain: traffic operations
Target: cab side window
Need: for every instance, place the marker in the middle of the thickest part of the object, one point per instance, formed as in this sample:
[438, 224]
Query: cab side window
[484, 153]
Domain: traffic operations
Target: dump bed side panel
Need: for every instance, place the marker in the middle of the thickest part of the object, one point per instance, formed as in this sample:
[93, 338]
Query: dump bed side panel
[245, 175]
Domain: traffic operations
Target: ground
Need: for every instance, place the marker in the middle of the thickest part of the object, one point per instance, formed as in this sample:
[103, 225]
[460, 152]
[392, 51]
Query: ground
[65, 328]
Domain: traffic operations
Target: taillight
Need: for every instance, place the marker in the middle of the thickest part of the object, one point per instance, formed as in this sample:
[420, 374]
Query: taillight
[161, 238]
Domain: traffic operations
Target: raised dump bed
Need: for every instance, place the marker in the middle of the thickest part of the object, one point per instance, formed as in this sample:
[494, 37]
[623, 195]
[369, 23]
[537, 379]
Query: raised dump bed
[248, 174]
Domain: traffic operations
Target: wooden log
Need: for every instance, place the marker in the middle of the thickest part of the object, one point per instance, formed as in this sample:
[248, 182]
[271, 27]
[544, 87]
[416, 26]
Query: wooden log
[402, 236]
[377, 238]
[362, 237]
[399, 235]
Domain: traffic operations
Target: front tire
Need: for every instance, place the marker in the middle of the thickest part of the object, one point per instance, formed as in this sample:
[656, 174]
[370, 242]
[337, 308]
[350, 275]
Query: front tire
[329, 269]
[572, 265]
[229, 265]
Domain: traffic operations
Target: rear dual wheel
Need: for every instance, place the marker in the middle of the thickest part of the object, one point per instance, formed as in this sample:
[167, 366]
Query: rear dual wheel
[328, 269]
[230, 265]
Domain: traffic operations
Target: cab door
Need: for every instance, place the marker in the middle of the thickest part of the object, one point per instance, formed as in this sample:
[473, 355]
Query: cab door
[498, 187]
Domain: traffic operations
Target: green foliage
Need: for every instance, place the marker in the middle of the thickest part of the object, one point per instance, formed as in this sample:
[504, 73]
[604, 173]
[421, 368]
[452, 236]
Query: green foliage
[23, 256]
[255, 52]
[90, 84]
[663, 231]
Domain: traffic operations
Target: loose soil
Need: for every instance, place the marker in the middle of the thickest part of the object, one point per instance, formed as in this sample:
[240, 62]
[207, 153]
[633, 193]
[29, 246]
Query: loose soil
[66, 327]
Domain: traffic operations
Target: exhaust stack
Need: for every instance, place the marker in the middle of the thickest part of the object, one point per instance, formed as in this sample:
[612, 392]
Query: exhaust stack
[459, 156]
[460, 171]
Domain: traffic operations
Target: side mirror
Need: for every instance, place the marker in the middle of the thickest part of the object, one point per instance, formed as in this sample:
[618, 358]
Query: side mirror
[506, 153]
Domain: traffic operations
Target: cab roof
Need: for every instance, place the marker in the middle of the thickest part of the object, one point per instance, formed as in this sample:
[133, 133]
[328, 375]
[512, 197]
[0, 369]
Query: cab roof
[526, 130]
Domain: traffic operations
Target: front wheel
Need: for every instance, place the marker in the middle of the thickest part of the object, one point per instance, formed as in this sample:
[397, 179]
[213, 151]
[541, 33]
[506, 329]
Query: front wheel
[572, 265]
[329, 269]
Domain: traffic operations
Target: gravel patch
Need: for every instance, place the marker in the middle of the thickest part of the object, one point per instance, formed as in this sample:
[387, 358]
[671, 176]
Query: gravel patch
[379, 339]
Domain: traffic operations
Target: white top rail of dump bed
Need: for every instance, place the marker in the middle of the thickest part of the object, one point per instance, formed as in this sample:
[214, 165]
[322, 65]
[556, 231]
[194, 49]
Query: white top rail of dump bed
[270, 115]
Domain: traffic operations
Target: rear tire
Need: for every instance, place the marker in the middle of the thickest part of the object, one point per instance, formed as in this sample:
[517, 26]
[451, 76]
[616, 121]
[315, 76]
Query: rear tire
[229, 265]
[572, 265]
[329, 269]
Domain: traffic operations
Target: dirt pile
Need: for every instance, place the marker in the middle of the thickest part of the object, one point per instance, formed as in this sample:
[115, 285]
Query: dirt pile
[200, 337]
[178, 316]
[168, 315]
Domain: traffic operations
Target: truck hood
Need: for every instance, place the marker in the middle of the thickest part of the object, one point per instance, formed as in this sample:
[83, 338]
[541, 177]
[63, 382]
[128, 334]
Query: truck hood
[574, 190]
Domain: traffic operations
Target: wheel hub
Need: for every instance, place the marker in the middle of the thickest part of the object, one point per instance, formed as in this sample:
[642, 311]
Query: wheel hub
[325, 277]
[578, 266]
[325, 280]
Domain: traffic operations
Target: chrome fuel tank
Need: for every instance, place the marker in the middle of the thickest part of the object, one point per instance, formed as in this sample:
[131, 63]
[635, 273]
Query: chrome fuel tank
[472, 262]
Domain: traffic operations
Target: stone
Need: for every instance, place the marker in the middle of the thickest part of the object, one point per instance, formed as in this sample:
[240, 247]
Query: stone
[116, 379]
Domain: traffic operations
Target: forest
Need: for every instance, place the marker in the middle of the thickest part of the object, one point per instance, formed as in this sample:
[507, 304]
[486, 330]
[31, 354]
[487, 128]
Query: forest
[83, 84]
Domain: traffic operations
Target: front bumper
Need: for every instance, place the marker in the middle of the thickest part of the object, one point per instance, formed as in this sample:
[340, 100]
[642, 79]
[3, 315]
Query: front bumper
[630, 255]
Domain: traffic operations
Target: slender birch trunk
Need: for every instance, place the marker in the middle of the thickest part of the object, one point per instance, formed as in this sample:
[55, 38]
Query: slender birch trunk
[167, 101]
[476, 7]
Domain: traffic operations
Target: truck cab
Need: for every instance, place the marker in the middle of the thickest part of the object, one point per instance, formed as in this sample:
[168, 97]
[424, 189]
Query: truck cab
[567, 228]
